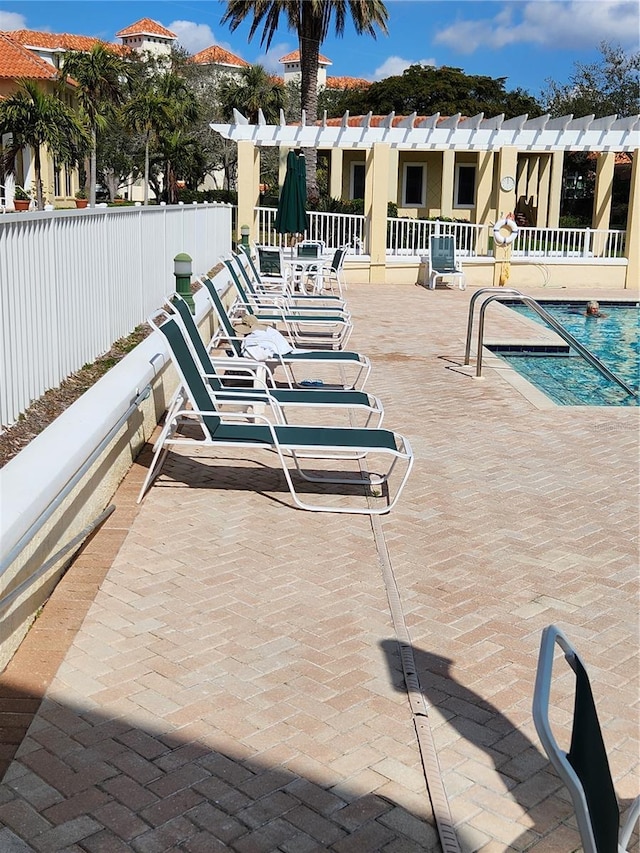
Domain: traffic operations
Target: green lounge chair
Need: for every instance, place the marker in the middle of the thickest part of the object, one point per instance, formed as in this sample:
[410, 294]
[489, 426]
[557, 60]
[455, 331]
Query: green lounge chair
[351, 364]
[326, 329]
[278, 399]
[584, 769]
[266, 300]
[290, 443]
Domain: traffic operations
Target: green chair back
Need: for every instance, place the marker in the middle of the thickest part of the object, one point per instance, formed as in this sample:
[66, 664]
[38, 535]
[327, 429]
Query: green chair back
[269, 260]
[223, 315]
[191, 378]
[443, 253]
[191, 329]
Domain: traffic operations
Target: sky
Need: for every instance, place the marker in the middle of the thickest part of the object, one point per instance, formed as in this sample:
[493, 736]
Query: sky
[528, 42]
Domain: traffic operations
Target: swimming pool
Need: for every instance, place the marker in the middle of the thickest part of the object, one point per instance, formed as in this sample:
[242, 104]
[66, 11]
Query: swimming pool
[566, 377]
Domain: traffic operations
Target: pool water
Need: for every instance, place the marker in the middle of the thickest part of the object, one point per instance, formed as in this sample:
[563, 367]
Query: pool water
[567, 378]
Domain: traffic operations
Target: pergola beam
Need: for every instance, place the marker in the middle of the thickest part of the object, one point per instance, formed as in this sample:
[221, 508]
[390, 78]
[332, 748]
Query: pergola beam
[436, 134]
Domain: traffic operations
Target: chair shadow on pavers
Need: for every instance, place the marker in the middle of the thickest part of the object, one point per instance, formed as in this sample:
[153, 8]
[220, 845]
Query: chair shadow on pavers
[85, 779]
[494, 775]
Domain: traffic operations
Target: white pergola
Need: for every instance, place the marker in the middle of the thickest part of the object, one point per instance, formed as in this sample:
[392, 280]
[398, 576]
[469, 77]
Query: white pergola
[433, 133]
[496, 142]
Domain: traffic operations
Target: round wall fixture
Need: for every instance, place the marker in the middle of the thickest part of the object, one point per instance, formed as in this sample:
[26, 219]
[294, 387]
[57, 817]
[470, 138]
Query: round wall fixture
[507, 184]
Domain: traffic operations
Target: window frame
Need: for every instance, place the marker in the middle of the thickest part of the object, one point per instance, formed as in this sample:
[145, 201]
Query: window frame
[411, 164]
[457, 204]
[352, 178]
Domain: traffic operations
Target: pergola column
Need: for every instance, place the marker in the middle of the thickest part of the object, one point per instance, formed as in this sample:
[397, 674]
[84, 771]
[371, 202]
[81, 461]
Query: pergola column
[375, 207]
[605, 162]
[507, 165]
[248, 187]
[448, 178]
[632, 244]
[544, 183]
[555, 190]
[484, 190]
[335, 172]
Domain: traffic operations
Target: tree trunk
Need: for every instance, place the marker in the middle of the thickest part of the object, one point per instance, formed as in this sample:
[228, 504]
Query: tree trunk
[93, 178]
[37, 168]
[309, 43]
[146, 171]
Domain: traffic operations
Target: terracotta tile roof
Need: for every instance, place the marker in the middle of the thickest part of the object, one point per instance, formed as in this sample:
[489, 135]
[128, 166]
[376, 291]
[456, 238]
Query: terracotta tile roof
[53, 41]
[347, 83]
[376, 121]
[146, 27]
[17, 61]
[216, 55]
[294, 56]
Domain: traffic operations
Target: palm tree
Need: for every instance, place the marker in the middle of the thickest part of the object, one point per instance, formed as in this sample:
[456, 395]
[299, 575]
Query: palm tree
[36, 118]
[99, 75]
[311, 20]
[254, 89]
[148, 113]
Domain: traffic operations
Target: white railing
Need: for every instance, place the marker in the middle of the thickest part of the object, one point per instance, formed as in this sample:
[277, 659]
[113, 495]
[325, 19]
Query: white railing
[333, 229]
[411, 236]
[73, 282]
[604, 244]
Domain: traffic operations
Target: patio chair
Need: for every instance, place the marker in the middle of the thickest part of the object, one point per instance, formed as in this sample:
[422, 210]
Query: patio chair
[291, 444]
[443, 262]
[349, 363]
[272, 265]
[310, 249]
[585, 768]
[329, 274]
[264, 391]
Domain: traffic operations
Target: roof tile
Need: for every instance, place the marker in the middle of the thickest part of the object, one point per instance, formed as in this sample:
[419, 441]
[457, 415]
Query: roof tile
[146, 27]
[294, 56]
[53, 41]
[17, 61]
[216, 55]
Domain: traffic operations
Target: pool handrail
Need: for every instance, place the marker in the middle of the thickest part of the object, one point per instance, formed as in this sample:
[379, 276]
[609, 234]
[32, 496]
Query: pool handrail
[557, 327]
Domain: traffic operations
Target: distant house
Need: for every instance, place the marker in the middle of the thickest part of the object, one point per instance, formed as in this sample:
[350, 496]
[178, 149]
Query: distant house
[220, 62]
[29, 55]
[292, 73]
[147, 36]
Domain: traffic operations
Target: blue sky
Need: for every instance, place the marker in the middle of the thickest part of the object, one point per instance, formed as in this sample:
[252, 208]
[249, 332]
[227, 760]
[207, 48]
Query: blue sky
[526, 42]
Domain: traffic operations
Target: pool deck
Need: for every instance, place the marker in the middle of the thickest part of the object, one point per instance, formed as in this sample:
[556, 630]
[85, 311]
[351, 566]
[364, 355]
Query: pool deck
[218, 671]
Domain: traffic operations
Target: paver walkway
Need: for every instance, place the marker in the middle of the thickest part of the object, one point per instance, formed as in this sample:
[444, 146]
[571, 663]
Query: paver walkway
[236, 683]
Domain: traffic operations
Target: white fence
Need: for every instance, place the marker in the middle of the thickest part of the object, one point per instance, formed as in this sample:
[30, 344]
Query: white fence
[569, 243]
[406, 236]
[73, 282]
[333, 229]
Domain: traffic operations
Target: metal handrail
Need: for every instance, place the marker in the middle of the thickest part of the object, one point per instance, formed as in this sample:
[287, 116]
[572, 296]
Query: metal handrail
[566, 336]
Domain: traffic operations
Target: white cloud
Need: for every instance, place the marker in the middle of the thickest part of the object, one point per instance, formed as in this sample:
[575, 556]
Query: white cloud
[193, 37]
[12, 21]
[395, 65]
[548, 23]
[270, 60]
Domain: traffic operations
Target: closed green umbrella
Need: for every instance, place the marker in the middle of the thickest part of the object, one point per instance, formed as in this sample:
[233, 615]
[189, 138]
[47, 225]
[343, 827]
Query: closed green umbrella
[291, 217]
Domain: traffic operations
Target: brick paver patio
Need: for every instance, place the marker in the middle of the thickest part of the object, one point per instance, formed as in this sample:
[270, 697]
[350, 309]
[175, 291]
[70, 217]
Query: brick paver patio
[236, 683]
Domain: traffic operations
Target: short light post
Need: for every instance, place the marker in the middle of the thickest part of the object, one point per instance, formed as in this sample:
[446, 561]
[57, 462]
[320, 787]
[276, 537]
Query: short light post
[182, 272]
[244, 235]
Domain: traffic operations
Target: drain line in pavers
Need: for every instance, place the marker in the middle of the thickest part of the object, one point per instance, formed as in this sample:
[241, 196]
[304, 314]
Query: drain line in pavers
[417, 701]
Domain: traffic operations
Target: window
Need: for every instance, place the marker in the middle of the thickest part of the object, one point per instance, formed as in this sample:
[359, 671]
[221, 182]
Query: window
[465, 188]
[414, 185]
[356, 189]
